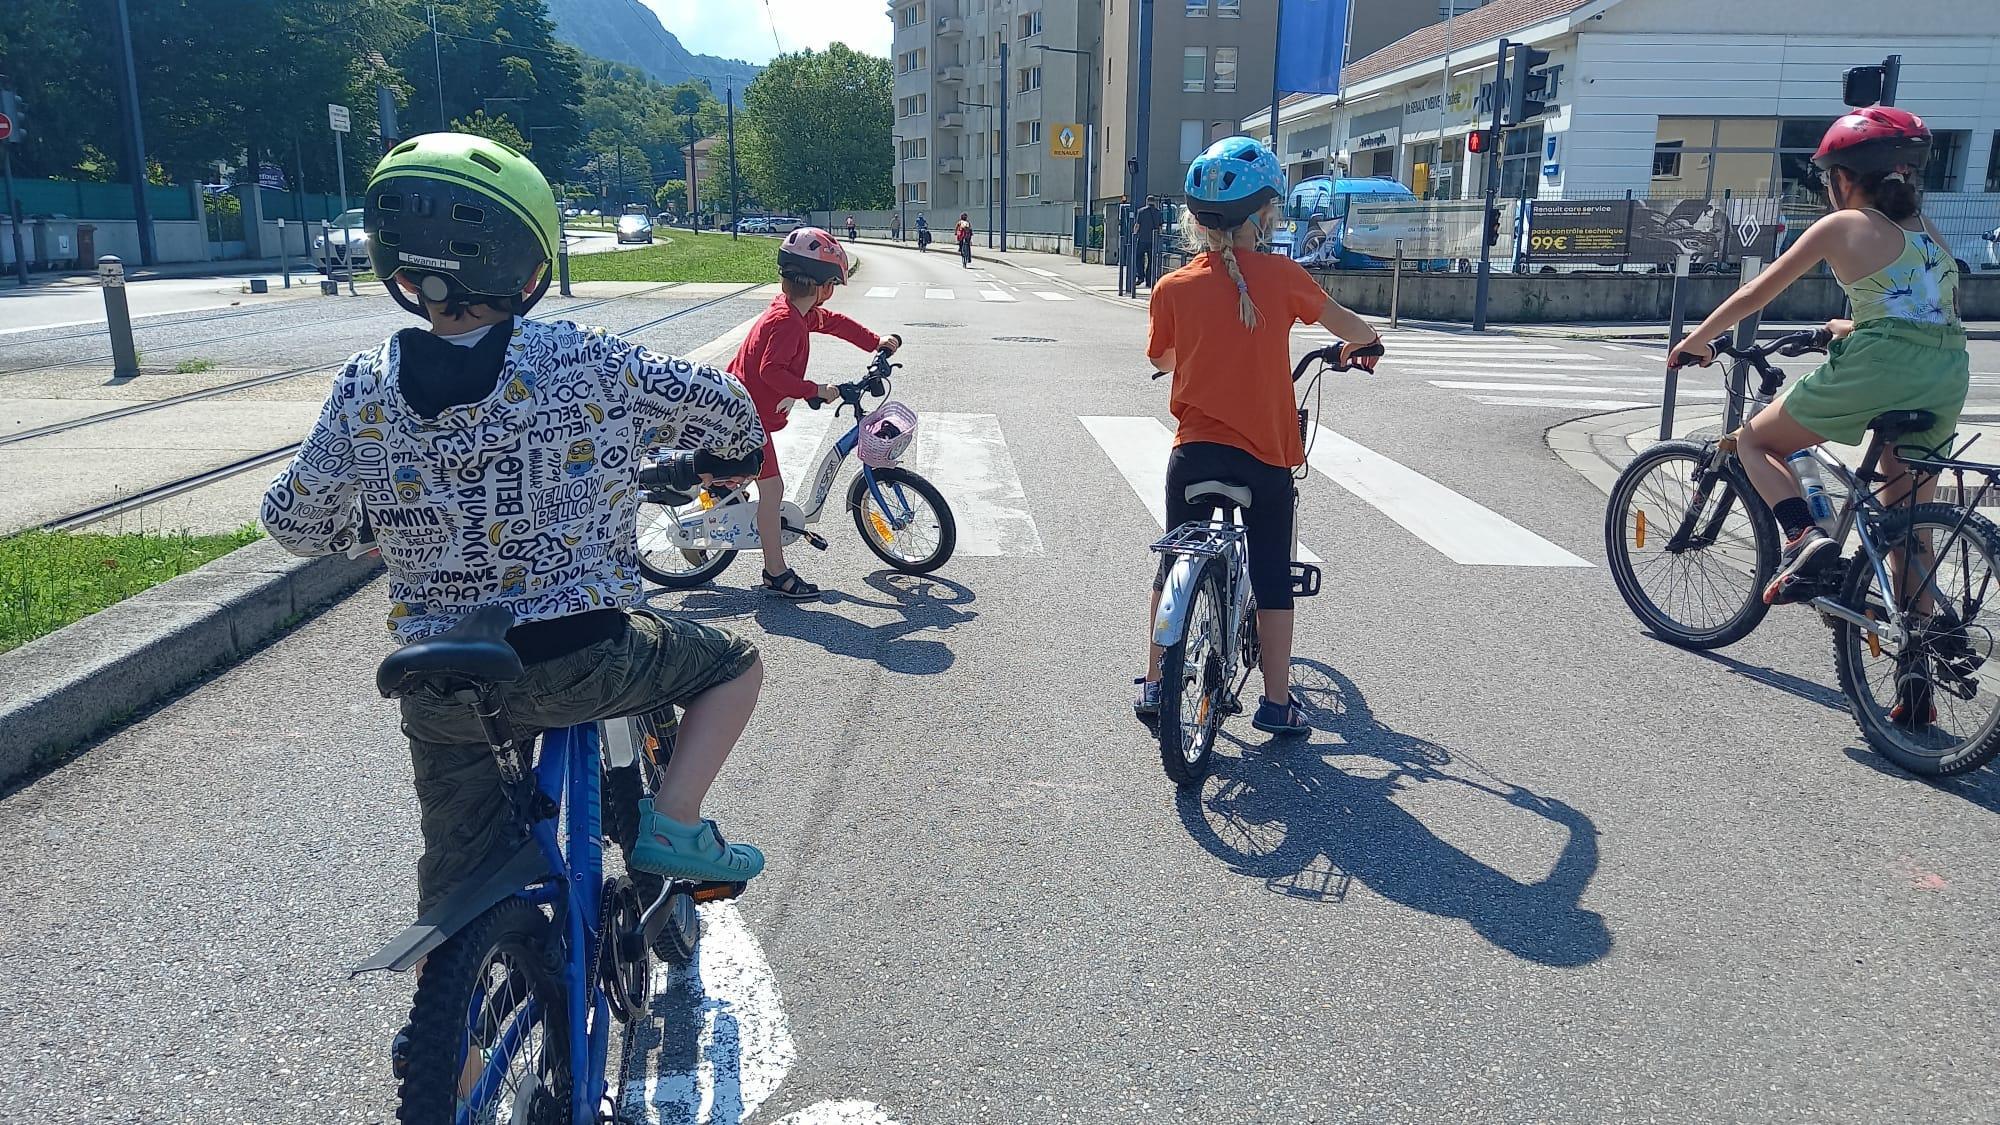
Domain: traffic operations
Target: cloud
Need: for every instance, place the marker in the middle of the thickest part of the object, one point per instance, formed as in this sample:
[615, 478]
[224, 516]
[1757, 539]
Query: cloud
[741, 29]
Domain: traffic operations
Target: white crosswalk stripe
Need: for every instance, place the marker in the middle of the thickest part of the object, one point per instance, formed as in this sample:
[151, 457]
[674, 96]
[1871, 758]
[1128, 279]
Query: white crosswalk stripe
[939, 295]
[995, 295]
[882, 291]
[1053, 296]
[993, 290]
[1547, 371]
[1139, 447]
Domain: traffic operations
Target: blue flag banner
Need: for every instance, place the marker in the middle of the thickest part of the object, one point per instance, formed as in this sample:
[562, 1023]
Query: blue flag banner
[1312, 36]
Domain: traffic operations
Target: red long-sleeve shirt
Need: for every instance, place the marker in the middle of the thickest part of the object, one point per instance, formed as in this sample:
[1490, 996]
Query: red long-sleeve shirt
[772, 361]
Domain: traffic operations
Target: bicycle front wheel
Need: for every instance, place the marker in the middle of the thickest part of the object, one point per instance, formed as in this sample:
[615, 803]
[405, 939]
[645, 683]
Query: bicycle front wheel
[1193, 683]
[912, 528]
[488, 1034]
[1934, 709]
[1690, 546]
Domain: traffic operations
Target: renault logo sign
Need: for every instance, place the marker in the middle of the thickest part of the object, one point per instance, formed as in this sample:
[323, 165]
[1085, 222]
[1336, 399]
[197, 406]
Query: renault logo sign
[1066, 142]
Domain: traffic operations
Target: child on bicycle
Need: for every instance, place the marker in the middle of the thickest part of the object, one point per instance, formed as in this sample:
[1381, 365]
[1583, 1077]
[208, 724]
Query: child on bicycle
[1222, 326]
[1904, 349]
[493, 457]
[772, 364]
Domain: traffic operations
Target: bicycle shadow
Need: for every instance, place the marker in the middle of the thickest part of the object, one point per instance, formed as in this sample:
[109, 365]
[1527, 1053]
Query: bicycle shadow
[923, 602]
[1980, 787]
[1796, 686]
[1309, 828]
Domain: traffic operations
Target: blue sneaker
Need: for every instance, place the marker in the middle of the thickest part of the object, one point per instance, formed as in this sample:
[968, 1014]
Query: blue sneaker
[1287, 718]
[1147, 703]
[697, 852]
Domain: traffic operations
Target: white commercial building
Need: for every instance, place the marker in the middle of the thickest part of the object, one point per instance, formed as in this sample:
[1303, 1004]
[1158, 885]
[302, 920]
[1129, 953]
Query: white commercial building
[1655, 97]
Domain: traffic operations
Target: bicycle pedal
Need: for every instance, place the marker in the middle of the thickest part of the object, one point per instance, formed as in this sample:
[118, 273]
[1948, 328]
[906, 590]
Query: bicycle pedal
[715, 892]
[1305, 580]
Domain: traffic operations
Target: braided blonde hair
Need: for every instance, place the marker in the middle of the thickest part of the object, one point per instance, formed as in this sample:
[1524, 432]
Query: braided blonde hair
[1228, 243]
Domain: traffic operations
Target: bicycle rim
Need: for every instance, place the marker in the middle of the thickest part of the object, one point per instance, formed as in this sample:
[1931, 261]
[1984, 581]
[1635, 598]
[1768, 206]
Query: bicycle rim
[653, 538]
[1703, 591]
[1201, 678]
[1949, 669]
[904, 527]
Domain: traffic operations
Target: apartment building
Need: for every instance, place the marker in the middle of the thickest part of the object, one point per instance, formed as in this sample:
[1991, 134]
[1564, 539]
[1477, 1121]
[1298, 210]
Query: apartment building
[949, 88]
[1212, 67]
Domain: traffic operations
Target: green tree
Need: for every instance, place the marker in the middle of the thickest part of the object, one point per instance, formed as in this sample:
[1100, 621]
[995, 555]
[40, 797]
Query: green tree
[672, 196]
[619, 171]
[814, 129]
[500, 129]
[723, 179]
[499, 56]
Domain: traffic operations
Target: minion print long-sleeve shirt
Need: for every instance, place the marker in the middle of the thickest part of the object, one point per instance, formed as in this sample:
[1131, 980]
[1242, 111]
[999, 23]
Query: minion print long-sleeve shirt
[523, 499]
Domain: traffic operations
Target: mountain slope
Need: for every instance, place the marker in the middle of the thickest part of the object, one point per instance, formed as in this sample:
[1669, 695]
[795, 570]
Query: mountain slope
[627, 31]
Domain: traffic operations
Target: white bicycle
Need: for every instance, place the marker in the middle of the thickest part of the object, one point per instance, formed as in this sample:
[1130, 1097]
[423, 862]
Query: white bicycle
[687, 538]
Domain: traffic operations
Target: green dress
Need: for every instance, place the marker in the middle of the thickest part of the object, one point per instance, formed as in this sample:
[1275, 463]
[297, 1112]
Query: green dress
[1907, 352]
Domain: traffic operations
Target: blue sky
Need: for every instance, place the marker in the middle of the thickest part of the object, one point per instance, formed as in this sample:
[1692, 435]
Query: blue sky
[742, 28]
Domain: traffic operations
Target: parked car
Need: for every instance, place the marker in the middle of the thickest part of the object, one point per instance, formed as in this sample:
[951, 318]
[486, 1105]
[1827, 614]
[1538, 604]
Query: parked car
[753, 224]
[571, 212]
[635, 228]
[343, 247]
[784, 224]
[596, 214]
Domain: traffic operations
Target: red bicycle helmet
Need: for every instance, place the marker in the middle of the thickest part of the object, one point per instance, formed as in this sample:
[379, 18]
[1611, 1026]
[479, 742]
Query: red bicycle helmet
[811, 254]
[1878, 138]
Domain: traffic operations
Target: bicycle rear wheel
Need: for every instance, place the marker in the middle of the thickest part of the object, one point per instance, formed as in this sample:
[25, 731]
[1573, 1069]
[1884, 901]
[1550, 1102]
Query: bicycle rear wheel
[1193, 683]
[488, 1034]
[1690, 554]
[1935, 709]
[665, 564]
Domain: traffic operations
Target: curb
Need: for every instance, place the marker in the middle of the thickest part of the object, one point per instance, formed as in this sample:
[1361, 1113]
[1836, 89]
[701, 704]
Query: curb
[78, 681]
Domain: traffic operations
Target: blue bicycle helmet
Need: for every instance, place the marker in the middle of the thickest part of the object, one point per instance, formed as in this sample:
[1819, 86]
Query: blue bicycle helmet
[1232, 181]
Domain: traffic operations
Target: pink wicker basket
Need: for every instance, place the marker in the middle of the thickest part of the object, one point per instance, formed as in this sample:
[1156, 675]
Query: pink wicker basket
[886, 434]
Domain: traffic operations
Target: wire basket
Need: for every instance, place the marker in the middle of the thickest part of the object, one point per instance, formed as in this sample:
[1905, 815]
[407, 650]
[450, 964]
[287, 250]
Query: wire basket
[886, 435]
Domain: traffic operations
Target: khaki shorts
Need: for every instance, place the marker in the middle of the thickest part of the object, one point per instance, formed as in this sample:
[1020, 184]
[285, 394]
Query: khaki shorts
[654, 662]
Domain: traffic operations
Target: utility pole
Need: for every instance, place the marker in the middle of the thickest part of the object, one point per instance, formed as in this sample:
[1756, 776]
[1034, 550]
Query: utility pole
[1892, 71]
[989, 160]
[1005, 144]
[1493, 145]
[1141, 143]
[437, 61]
[694, 199]
[1089, 131]
[135, 139]
[10, 108]
[735, 183]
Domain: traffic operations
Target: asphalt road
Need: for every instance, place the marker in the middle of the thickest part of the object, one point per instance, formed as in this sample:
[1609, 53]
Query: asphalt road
[1529, 865]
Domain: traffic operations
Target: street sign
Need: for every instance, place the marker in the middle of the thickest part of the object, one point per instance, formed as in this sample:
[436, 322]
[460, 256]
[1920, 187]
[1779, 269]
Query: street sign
[336, 118]
[1066, 142]
[6, 126]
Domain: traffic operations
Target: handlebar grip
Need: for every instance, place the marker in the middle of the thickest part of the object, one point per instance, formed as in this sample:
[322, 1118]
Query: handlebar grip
[682, 470]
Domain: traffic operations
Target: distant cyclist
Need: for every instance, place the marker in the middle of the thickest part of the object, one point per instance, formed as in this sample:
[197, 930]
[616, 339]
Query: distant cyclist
[1903, 350]
[494, 458]
[963, 232]
[1222, 325]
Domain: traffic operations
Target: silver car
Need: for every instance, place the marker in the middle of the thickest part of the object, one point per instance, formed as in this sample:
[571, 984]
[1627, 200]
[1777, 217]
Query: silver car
[343, 247]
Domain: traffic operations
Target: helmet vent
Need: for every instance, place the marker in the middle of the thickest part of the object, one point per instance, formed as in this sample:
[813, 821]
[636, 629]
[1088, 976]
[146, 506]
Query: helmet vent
[406, 146]
[465, 249]
[388, 238]
[484, 161]
[467, 213]
[389, 201]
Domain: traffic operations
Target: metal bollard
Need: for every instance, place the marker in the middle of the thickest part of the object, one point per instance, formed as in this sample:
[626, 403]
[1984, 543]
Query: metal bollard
[1676, 331]
[1396, 287]
[117, 317]
[1739, 372]
[329, 285]
[285, 253]
[562, 267]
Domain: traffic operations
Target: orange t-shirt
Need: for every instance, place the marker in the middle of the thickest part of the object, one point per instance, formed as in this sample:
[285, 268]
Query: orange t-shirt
[1232, 384]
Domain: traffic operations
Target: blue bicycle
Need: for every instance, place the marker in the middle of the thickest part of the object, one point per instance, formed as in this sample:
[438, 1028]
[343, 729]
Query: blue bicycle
[531, 961]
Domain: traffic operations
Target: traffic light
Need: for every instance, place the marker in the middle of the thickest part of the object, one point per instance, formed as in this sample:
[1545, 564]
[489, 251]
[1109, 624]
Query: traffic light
[1493, 226]
[1475, 141]
[1527, 92]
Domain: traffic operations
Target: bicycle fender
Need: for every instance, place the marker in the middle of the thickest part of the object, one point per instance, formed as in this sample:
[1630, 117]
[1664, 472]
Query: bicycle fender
[500, 877]
[1176, 598]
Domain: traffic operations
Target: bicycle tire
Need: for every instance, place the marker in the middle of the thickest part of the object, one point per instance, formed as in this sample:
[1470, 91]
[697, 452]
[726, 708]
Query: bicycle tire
[1883, 735]
[700, 573]
[859, 501]
[437, 1032]
[1621, 531]
[1184, 768]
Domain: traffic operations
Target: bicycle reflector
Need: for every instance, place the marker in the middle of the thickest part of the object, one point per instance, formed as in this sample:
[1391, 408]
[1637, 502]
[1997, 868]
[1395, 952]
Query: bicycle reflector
[1639, 529]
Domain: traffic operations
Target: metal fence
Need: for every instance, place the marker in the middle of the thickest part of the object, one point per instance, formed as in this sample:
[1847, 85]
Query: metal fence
[79, 199]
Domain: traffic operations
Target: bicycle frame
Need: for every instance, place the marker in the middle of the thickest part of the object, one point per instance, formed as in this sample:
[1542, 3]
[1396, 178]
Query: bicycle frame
[732, 524]
[1191, 545]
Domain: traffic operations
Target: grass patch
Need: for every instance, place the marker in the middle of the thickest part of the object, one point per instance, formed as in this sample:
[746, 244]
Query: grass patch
[49, 579]
[194, 366]
[682, 256]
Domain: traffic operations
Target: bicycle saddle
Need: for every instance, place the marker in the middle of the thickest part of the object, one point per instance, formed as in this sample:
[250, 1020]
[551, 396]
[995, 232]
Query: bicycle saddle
[474, 649]
[1896, 423]
[1218, 493]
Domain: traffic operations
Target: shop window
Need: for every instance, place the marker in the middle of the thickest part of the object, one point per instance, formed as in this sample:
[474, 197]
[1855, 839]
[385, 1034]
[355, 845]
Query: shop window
[1667, 160]
[1947, 167]
[1225, 69]
[1194, 69]
[1382, 162]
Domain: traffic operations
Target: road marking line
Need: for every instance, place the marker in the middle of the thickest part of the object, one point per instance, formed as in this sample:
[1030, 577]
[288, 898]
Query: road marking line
[1043, 272]
[1053, 296]
[798, 443]
[1615, 347]
[1488, 365]
[1574, 403]
[966, 456]
[743, 1045]
[1464, 349]
[1464, 531]
[939, 295]
[1139, 448]
[994, 295]
[882, 291]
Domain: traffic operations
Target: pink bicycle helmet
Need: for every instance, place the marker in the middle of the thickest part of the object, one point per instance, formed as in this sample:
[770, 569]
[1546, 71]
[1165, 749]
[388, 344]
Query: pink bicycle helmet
[811, 254]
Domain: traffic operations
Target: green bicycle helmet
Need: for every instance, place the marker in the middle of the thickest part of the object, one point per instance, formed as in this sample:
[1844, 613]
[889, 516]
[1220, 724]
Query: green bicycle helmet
[467, 219]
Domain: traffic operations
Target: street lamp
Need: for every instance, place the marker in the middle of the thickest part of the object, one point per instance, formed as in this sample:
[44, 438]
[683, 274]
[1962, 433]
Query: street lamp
[902, 205]
[1089, 134]
[990, 146]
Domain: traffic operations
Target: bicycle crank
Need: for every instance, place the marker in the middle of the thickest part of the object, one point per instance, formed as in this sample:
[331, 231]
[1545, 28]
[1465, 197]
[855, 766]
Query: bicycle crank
[1889, 635]
[817, 540]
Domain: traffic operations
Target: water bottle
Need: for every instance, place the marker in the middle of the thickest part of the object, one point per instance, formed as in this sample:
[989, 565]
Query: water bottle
[1805, 467]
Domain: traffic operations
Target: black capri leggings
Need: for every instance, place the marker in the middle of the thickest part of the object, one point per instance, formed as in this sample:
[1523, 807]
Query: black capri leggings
[1268, 521]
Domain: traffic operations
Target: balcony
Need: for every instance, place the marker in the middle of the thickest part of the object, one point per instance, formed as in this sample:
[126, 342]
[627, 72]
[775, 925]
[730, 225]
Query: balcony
[950, 165]
[951, 121]
[951, 75]
[950, 27]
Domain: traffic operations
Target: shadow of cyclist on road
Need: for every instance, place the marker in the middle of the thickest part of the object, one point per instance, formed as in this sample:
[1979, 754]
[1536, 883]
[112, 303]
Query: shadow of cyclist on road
[922, 601]
[1310, 819]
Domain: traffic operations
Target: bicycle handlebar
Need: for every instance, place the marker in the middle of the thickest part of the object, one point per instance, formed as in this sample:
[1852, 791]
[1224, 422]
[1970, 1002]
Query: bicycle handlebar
[1329, 355]
[876, 382]
[1759, 356]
